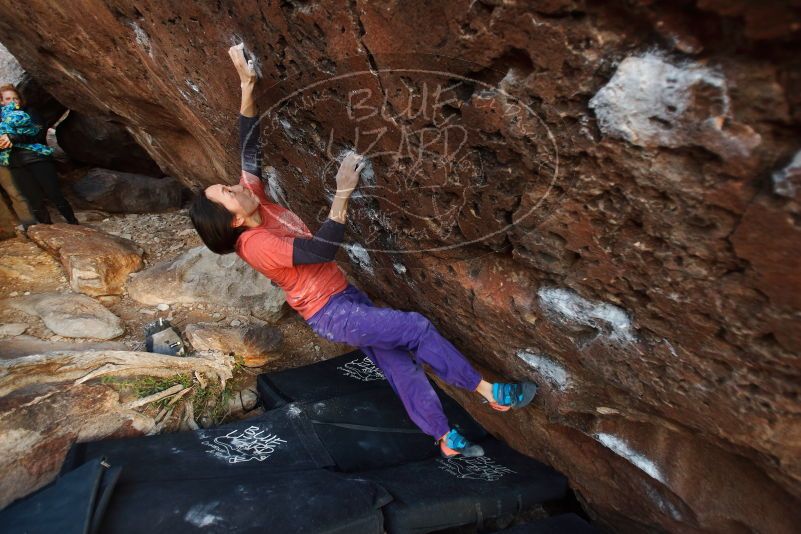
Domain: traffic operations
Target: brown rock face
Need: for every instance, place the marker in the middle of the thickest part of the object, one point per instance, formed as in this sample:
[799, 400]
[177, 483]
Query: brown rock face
[576, 193]
[96, 263]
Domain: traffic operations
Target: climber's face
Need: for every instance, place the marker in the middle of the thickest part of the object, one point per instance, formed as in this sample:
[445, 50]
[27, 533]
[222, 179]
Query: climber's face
[10, 96]
[237, 199]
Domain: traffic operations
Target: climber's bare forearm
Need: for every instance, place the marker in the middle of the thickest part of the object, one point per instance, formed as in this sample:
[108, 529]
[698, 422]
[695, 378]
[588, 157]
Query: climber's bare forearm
[247, 79]
[248, 106]
[339, 208]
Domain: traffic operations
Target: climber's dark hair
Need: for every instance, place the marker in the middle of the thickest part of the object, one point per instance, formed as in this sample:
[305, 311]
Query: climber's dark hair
[213, 223]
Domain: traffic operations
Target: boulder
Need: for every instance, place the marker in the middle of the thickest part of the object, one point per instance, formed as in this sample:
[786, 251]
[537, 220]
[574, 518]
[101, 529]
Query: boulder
[123, 192]
[103, 141]
[243, 402]
[199, 275]
[96, 263]
[23, 264]
[50, 401]
[620, 255]
[71, 315]
[255, 344]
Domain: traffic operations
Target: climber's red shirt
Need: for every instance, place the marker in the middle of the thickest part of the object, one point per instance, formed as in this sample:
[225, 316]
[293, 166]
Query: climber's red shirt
[268, 249]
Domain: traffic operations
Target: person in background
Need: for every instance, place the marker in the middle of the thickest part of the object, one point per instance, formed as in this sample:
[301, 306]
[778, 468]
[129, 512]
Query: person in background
[18, 203]
[24, 150]
[276, 242]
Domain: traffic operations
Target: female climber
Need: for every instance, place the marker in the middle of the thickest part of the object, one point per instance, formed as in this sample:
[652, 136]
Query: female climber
[276, 242]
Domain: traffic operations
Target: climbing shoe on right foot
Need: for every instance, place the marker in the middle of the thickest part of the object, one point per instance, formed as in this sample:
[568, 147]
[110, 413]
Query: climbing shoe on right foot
[454, 444]
[512, 395]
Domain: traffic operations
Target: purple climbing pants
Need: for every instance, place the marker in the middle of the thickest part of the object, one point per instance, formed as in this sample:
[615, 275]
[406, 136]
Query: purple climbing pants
[387, 336]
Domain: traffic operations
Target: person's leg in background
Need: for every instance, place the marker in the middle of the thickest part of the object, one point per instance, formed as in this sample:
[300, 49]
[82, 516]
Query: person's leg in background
[29, 187]
[44, 172]
[18, 202]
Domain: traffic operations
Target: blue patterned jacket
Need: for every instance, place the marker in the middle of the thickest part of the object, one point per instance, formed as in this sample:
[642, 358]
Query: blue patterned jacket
[14, 121]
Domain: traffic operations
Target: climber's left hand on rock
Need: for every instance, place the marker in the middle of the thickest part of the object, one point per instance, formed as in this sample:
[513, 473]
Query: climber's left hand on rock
[247, 74]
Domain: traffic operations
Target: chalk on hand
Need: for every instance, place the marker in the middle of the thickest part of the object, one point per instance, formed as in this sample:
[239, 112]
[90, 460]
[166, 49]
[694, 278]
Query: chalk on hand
[250, 60]
[366, 165]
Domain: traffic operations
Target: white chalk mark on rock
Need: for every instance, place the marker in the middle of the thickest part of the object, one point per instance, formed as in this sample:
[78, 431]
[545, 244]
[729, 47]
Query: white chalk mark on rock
[603, 316]
[670, 347]
[274, 188]
[359, 256]
[621, 448]
[787, 180]
[650, 102]
[546, 367]
[142, 38]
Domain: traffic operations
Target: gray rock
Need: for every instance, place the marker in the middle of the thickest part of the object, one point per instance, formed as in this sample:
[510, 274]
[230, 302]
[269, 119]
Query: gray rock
[12, 329]
[242, 401]
[71, 315]
[122, 192]
[199, 275]
[650, 102]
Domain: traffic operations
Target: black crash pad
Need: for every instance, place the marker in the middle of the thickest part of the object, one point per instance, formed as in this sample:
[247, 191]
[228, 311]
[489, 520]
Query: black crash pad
[316, 501]
[370, 429]
[346, 374]
[273, 442]
[558, 524]
[441, 493]
[68, 505]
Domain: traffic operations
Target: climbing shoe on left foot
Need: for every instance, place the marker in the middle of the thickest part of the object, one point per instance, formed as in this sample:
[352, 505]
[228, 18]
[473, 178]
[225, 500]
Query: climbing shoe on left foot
[454, 444]
[512, 395]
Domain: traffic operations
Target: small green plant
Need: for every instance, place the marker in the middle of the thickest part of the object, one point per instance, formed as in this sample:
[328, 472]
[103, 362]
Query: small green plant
[211, 401]
[148, 385]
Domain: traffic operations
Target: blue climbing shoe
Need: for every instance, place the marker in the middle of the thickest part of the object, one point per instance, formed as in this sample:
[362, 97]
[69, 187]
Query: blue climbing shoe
[512, 395]
[454, 444]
